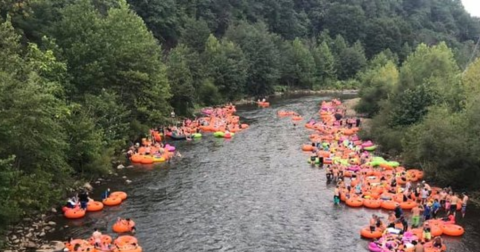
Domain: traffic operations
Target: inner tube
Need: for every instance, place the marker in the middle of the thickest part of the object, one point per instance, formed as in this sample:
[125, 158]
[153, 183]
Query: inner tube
[370, 148]
[119, 194]
[354, 202]
[372, 203]
[71, 245]
[219, 134]
[125, 239]
[169, 148]
[366, 233]
[177, 137]
[75, 213]
[197, 135]
[452, 230]
[104, 239]
[112, 201]
[94, 206]
[123, 227]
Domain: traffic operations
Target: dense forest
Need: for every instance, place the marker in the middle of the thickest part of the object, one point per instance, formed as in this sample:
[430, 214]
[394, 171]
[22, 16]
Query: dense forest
[80, 78]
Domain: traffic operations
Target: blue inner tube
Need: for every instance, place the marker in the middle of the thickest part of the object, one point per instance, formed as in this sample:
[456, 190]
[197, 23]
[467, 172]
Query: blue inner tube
[178, 137]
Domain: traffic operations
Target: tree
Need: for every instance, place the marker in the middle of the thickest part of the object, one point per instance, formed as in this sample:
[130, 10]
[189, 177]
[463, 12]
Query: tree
[115, 53]
[161, 18]
[377, 84]
[351, 61]
[226, 66]
[195, 34]
[325, 65]
[32, 156]
[262, 55]
[180, 80]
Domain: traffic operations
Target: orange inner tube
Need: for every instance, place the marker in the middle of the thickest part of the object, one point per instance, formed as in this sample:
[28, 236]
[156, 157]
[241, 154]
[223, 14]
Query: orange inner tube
[123, 227]
[372, 203]
[112, 201]
[94, 206]
[125, 240]
[453, 230]
[366, 233]
[354, 202]
[119, 194]
[389, 205]
[75, 213]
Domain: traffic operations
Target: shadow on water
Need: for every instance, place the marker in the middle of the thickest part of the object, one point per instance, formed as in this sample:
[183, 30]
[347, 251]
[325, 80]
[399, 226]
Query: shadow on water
[254, 192]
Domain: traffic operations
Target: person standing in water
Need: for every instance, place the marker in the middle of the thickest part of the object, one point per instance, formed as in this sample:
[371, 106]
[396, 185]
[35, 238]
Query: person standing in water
[336, 196]
[464, 204]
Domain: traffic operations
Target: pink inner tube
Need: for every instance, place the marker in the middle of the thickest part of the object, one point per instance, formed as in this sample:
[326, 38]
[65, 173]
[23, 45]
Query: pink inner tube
[169, 148]
[372, 246]
[207, 111]
[367, 144]
[354, 168]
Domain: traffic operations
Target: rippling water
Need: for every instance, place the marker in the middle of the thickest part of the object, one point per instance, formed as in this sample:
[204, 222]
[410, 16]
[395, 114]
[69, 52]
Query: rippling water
[251, 193]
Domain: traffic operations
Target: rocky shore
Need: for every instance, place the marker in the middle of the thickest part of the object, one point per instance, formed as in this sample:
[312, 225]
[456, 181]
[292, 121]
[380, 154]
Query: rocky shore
[30, 234]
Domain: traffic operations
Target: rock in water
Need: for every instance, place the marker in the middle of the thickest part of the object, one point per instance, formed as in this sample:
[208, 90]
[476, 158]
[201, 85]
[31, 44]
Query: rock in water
[120, 166]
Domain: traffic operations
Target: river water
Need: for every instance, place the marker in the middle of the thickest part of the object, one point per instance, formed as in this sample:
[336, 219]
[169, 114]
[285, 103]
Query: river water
[254, 192]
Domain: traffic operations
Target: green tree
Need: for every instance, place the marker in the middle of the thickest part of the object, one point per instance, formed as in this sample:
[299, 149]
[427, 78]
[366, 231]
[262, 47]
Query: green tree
[226, 66]
[116, 53]
[161, 17]
[377, 84]
[325, 72]
[195, 34]
[262, 55]
[181, 80]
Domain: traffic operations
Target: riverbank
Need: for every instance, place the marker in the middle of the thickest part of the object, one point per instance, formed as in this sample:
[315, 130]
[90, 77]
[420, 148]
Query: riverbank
[30, 233]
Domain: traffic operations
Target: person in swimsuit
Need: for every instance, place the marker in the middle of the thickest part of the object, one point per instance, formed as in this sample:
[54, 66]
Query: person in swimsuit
[427, 232]
[464, 204]
[336, 196]
[415, 216]
[453, 205]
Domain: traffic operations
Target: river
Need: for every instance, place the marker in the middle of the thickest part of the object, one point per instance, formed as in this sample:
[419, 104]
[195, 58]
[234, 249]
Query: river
[254, 192]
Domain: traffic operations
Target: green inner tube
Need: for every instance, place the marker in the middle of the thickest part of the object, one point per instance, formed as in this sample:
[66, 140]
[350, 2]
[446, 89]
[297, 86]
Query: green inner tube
[197, 135]
[317, 161]
[370, 148]
[218, 134]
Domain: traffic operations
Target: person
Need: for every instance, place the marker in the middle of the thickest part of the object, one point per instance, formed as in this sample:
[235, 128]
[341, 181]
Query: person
[106, 194]
[76, 247]
[391, 220]
[437, 242]
[83, 198]
[357, 122]
[373, 223]
[427, 210]
[427, 231]
[398, 211]
[404, 222]
[336, 196]
[97, 237]
[453, 204]
[415, 216]
[435, 208]
[418, 246]
[131, 224]
[424, 193]
[464, 204]
[71, 203]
